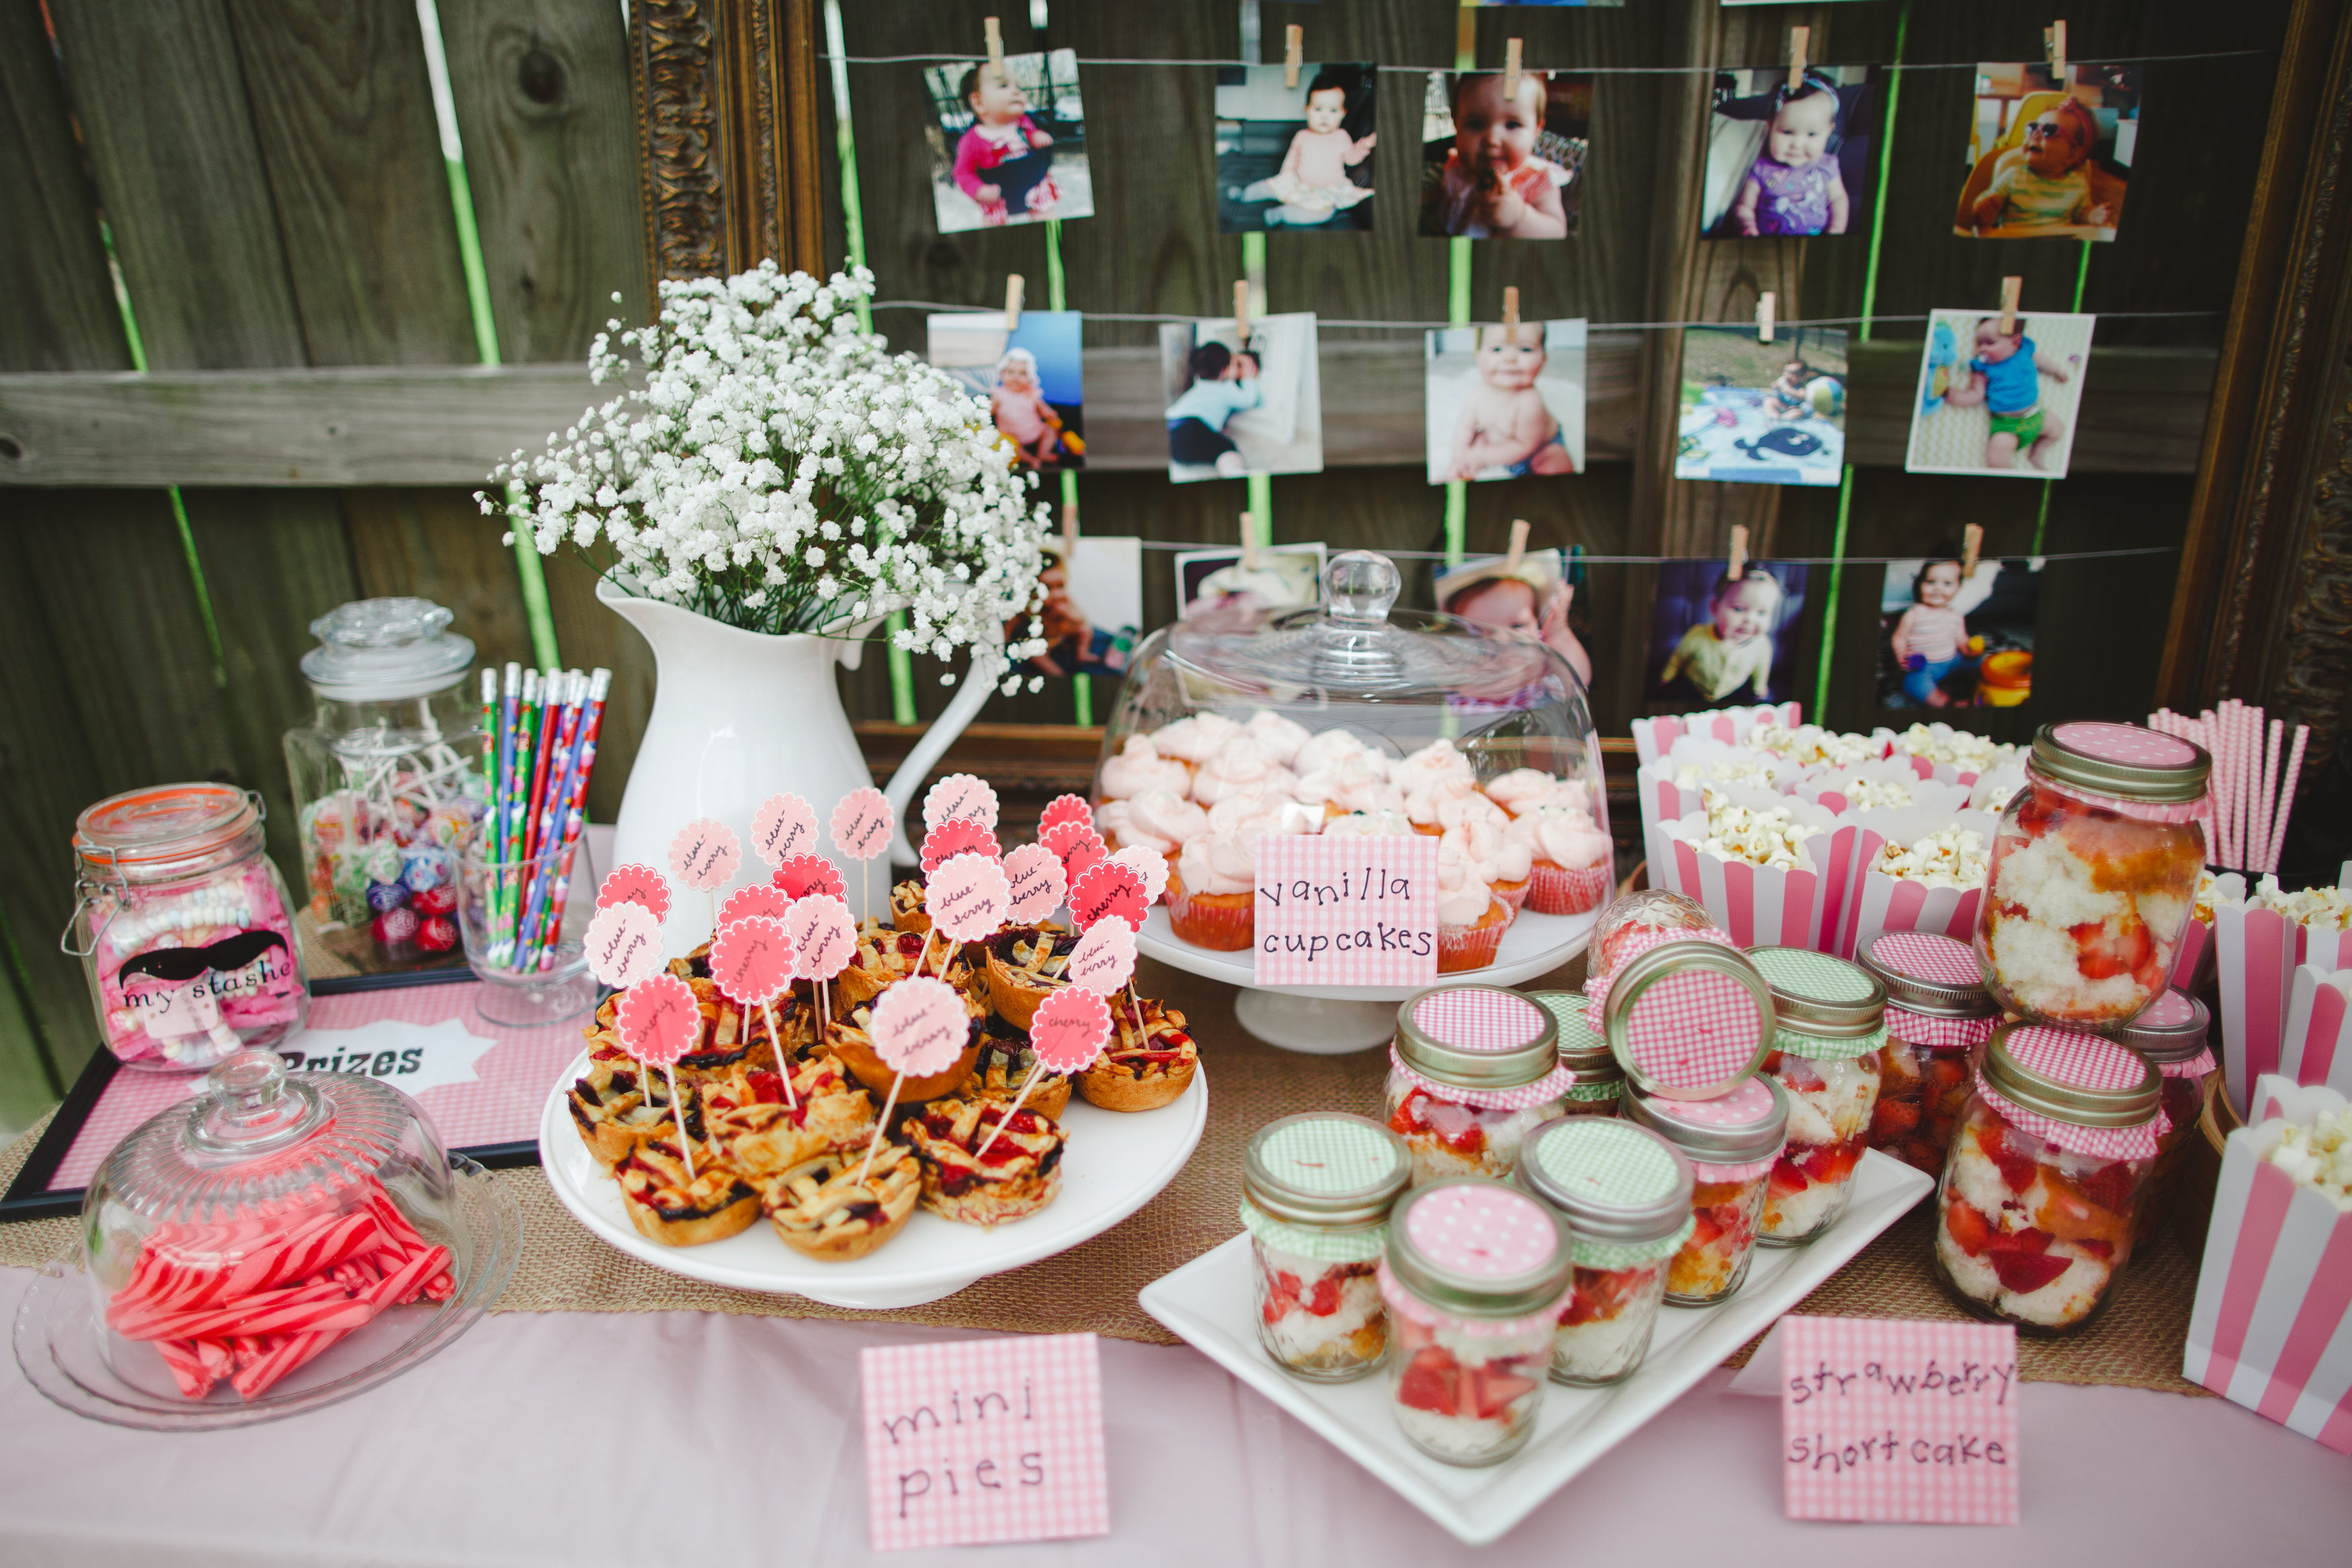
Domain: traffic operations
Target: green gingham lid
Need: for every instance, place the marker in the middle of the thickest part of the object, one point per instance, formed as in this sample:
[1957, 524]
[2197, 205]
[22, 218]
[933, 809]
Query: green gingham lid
[1320, 1186]
[1581, 1051]
[1828, 1008]
[1625, 1190]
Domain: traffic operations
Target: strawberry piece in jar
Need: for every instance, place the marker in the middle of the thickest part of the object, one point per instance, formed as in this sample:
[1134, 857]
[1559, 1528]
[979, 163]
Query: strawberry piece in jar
[1625, 1195]
[1317, 1190]
[1473, 1070]
[1831, 1029]
[1938, 1014]
[1732, 1141]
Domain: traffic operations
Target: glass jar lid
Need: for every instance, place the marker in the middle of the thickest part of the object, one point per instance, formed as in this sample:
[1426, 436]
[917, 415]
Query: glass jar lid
[1326, 1169]
[1752, 1123]
[1615, 1181]
[1476, 1037]
[1929, 974]
[1819, 994]
[2173, 1028]
[165, 832]
[1688, 1019]
[381, 649]
[2127, 761]
[1581, 1051]
[2070, 1076]
[258, 1136]
[1479, 1249]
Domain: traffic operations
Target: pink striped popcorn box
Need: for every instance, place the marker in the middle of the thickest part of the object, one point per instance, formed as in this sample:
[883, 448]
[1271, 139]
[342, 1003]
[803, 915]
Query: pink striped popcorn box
[2317, 1046]
[1877, 902]
[2256, 952]
[2271, 1329]
[1653, 736]
[1665, 799]
[1763, 904]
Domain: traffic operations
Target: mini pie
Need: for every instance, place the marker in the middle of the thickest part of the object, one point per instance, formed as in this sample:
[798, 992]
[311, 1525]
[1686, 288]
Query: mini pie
[906, 911]
[1141, 1073]
[666, 1207]
[1006, 1060]
[746, 1118]
[612, 1109]
[884, 957]
[1019, 1176]
[847, 1039]
[1024, 968]
[725, 1041]
[822, 1211]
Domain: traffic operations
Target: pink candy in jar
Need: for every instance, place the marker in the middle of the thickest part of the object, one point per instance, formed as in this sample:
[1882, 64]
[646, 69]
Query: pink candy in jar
[184, 927]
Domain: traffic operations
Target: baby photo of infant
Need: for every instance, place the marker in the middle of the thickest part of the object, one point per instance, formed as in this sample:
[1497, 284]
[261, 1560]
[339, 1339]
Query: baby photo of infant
[1504, 167]
[1031, 377]
[1715, 638]
[2049, 159]
[1275, 579]
[1236, 408]
[1294, 157]
[1995, 402]
[1009, 149]
[1950, 640]
[1764, 414]
[1532, 599]
[1783, 160]
[1506, 402]
[1094, 608]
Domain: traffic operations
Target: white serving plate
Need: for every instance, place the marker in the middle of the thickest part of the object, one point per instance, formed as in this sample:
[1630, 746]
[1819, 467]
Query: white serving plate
[1116, 1163]
[1208, 1301]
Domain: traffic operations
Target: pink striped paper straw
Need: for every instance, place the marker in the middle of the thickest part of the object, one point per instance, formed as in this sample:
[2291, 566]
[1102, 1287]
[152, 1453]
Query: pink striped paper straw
[2287, 793]
[2269, 795]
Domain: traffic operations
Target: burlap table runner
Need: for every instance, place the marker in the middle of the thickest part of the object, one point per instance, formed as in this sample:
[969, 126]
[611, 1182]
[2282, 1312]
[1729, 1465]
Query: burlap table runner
[565, 1269]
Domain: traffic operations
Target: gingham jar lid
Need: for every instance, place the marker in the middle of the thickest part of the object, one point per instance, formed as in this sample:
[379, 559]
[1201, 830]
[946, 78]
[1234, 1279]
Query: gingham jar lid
[2080, 1091]
[1325, 1168]
[1477, 1249]
[2124, 761]
[1617, 1184]
[1689, 1020]
[1827, 1008]
[1634, 944]
[1929, 975]
[1748, 1124]
[1481, 1045]
[1583, 1051]
[2172, 1031]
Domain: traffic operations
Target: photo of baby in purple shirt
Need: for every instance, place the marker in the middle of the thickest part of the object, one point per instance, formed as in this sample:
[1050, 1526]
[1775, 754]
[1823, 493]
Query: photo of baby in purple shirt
[1789, 160]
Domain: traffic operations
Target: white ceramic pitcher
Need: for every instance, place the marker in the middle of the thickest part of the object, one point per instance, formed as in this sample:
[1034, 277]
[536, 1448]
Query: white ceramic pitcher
[738, 716]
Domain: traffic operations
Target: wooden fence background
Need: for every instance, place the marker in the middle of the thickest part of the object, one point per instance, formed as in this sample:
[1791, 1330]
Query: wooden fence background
[279, 206]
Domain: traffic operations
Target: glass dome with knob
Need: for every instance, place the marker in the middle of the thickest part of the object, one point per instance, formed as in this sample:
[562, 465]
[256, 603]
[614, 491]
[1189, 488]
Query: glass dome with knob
[1359, 717]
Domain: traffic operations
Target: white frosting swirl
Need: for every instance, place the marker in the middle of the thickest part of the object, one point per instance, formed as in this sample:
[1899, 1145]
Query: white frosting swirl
[1522, 790]
[1353, 784]
[1162, 820]
[1566, 837]
[1336, 745]
[1220, 861]
[1370, 825]
[1240, 768]
[1500, 855]
[1438, 759]
[1139, 767]
[1195, 738]
[1463, 895]
[1277, 736]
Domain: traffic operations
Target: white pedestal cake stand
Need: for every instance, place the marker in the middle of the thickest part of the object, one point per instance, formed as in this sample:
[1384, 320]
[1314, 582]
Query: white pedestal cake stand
[1325, 1020]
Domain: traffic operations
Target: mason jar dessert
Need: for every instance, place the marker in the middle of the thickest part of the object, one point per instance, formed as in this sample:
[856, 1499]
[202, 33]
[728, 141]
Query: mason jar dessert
[1625, 1193]
[1826, 1054]
[2171, 1034]
[1315, 1194]
[1473, 1070]
[1938, 1015]
[1731, 1141]
[1585, 1053]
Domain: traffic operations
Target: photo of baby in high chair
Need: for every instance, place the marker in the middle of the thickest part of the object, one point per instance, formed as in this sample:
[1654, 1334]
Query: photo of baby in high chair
[1033, 379]
[1763, 413]
[1997, 403]
[1790, 160]
[2049, 159]
[1953, 637]
[1238, 406]
[1505, 403]
[1294, 157]
[1504, 166]
[1716, 637]
[1007, 148]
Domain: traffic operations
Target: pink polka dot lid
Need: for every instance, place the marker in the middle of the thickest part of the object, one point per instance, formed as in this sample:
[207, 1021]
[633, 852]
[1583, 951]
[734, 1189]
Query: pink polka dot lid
[2127, 761]
[1474, 1246]
[2174, 1029]
[1751, 1123]
[2082, 1091]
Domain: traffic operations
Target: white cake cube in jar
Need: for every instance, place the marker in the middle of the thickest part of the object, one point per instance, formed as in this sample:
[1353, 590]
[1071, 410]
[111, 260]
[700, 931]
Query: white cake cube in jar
[1831, 1029]
[1625, 1194]
[1315, 1194]
[1731, 1140]
[1472, 1071]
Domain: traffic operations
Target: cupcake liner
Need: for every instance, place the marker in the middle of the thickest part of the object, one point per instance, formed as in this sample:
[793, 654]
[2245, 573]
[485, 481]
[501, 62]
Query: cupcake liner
[1463, 947]
[1222, 928]
[1516, 897]
[1555, 889]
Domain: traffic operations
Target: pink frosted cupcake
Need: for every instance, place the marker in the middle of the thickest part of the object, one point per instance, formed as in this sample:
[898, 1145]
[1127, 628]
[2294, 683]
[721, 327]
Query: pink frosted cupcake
[1192, 741]
[1241, 767]
[1351, 784]
[1570, 860]
[1430, 797]
[1524, 789]
[1370, 825]
[1139, 767]
[1155, 818]
[1279, 737]
[1333, 747]
[1212, 890]
[1503, 863]
[1470, 919]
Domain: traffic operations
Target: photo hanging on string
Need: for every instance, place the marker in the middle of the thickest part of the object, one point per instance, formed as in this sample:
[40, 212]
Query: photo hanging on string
[1764, 414]
[1237, 407]
[1298, 158]
[1279, 578]
[1093, 615]
[1533, 599]
[1717, 639]
[1009, 150]
[1784, 161]
[1505, 403]
[2003, 404]
[2047, 161]
[1499, 167]
[1032, 378]
[1950, 640]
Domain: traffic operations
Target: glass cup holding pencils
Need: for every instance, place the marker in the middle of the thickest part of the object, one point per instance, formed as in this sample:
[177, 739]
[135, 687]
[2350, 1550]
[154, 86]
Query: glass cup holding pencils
[523, 921]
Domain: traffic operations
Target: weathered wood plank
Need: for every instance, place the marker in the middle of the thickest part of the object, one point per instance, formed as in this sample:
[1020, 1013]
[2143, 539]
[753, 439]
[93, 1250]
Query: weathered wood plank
[57, 309]
[435, 544]
[543, 97]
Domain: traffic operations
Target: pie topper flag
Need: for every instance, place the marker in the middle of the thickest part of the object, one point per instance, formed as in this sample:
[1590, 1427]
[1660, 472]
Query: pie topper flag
[752, 959]
[783, 826]
[623, 944]
[822, 936]
[1104, 960]
[1147, 863]
[638, 884]
[1898, 1420]
[960, 795]
[1108, 890]
[802, 875]
[1064, 809]
[760, 898]
[659, 1022]
[705, 853]
[1034, 873]
[1076, 845]
[969, 898]
[861, 823]
[1069, 1030]
[957, 836]
[920, 1026]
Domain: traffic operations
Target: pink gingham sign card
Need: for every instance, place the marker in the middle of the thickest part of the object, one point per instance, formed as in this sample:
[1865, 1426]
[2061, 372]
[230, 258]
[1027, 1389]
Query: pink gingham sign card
[1346, 911]
[1897, 1421]
[984, 1440]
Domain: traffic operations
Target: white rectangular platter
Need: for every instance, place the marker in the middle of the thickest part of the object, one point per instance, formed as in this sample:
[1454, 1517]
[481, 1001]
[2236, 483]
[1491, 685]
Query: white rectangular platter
[1208, 1301]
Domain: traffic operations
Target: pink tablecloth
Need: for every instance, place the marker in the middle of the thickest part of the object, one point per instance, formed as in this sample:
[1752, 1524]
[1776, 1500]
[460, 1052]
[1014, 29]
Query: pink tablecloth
[678, 1438]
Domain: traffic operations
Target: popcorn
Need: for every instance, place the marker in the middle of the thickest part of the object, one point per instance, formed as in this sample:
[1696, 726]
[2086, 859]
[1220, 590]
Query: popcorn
[1810, 743]
[1725, 771]
[1761, 838]
[2208, 895]
[1939, 743]
[2329, 906]
[2320, 1155]
[1948, 857]
[1872, 794]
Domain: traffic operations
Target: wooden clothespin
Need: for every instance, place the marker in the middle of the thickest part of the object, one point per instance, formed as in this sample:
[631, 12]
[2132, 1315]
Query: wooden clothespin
[1241, 314]
[2054, 38]
[1737, 567]
[1511, 70]
[1069, 533]
[1518, 544]
[1012, 301]
[1764, 317]
[1510, 307]
[2010, 288]
[1798, 38]
[1294, 48]
[1249, 542]
[1972, 541]
[995, 47]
